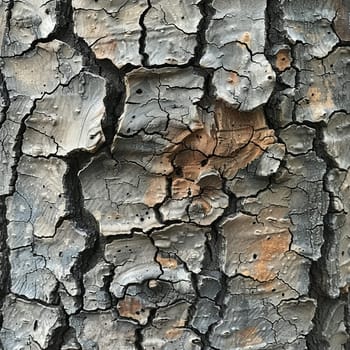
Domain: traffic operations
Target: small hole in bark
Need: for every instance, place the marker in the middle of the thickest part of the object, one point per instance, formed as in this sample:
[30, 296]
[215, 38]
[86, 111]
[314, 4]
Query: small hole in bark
[91, 137]
[142, 219]
[137, 312]
[178, 171]
[142, 310]
[133, 117]
[269, 77]
[282, 294]
[128, 130]
[47, 11]
[204, 162]
[35, 326]
[273, 290]
[283, 58]
[342, 253]
[60, 254]
[139, 91]
[254, 256]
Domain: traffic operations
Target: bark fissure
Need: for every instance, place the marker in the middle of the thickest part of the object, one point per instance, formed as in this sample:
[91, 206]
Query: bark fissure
[174, 175]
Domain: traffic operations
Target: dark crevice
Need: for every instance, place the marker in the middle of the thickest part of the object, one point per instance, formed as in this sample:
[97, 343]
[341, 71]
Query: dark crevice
[321, 284]
[207, 12]
[115, 88]
[142, 40]
[139, 338]
[81, 217]
[211, 270]
[208, 98]
[7, 28]
[4, 255]
[4, 99]
[274, 37]
[57, 337]
[114, 106]
[220, 302]
[114, 100]
[11, 3]
[277, 37]
[17, 148]
[61, 30]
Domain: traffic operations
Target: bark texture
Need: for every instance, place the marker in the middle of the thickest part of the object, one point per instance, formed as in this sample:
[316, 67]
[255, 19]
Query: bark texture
[174, 174]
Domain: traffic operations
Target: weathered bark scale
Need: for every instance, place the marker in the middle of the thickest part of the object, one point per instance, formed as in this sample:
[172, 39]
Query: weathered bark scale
[174, 174]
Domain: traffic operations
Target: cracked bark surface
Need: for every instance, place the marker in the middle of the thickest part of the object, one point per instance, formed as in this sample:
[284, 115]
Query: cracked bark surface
[174, 175]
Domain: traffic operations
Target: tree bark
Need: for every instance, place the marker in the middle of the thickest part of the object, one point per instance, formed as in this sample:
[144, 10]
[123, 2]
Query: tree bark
[174, 174]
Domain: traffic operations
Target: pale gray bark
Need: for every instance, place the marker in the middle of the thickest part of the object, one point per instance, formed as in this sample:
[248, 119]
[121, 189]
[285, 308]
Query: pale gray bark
[174, 174]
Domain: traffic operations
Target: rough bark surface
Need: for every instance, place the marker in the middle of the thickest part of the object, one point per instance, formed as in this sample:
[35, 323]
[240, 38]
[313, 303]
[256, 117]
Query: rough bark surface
[174, 174]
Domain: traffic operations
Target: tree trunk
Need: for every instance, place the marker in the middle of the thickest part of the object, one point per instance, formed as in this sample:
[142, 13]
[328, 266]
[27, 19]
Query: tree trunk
[174, 174]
